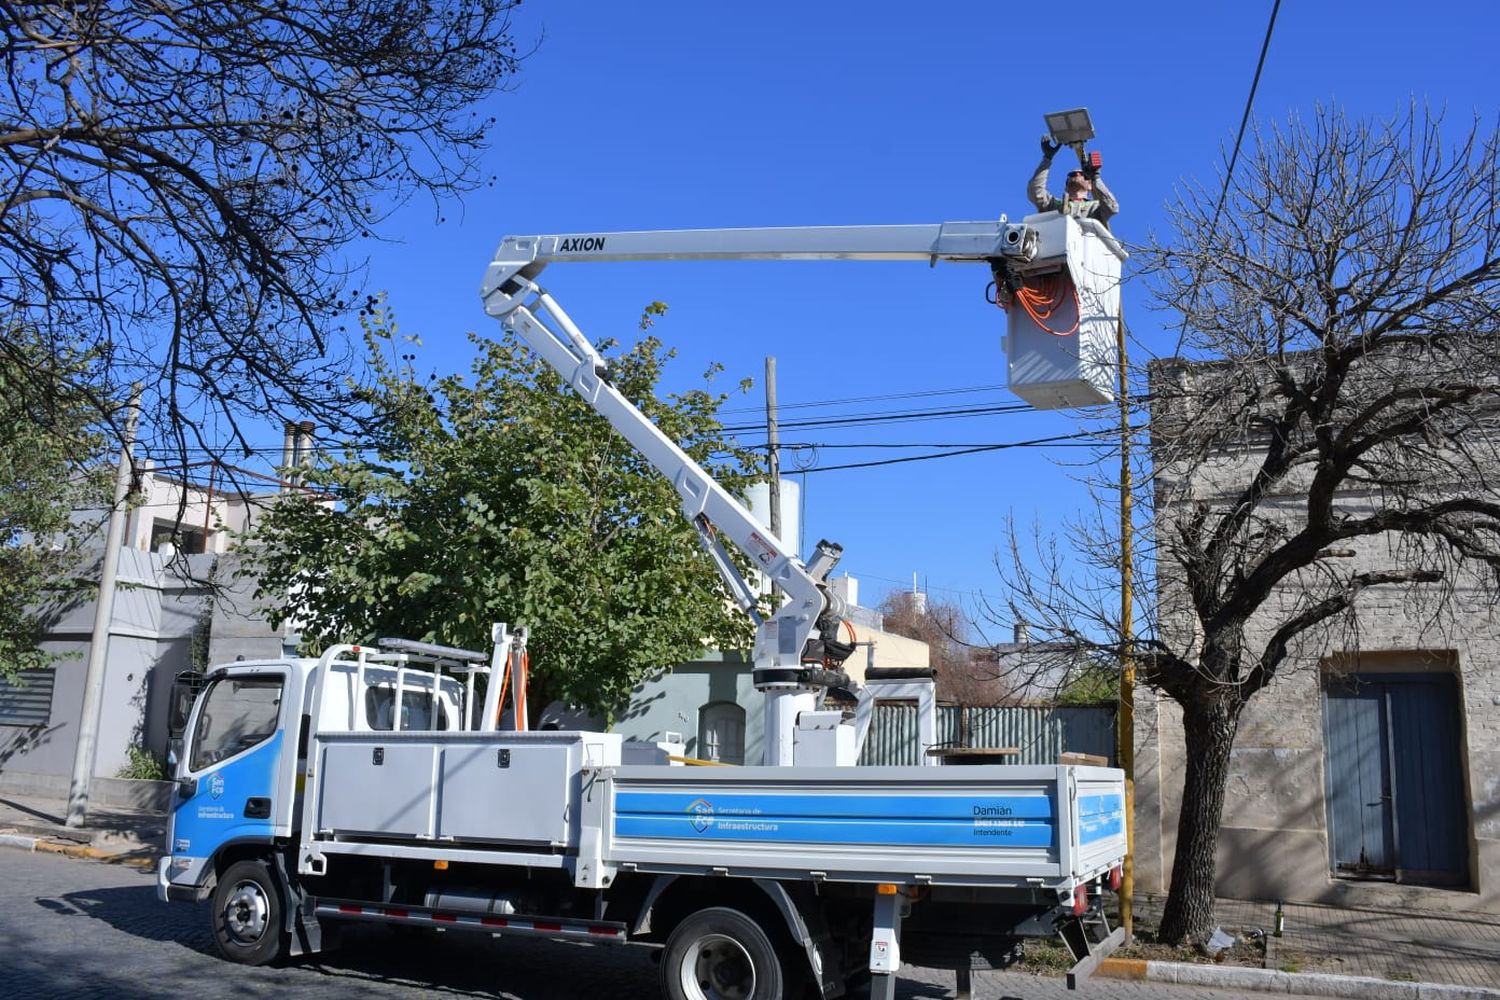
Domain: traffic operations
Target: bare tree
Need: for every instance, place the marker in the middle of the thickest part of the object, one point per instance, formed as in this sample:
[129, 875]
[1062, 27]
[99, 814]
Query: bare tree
[1331, 429]
[944, 627]
[184, 183]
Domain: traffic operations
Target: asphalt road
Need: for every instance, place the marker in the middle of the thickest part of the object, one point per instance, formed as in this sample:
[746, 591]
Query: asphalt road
[78, 929]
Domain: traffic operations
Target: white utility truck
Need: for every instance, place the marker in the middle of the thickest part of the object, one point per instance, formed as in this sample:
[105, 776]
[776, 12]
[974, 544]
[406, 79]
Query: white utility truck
[376, 784]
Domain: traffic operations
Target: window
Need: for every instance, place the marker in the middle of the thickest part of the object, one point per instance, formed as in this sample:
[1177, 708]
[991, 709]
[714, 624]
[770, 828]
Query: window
[189, 540]
[416, 709]
[28, 701]
[238, 713]
[721, 732]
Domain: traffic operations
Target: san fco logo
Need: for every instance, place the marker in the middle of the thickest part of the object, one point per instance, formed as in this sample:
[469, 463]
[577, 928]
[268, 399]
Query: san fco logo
[702, 813]
[580, 244]
[216, 785]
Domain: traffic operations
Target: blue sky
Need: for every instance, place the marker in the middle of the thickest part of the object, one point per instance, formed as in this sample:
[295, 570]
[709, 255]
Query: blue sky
[684, 115]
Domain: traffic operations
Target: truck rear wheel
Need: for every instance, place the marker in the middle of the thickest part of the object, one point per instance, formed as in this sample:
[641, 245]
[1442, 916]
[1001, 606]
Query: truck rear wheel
[721, 954]
[247, 914]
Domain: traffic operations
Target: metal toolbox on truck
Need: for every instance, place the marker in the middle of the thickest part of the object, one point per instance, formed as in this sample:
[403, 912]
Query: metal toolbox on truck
[463, 787]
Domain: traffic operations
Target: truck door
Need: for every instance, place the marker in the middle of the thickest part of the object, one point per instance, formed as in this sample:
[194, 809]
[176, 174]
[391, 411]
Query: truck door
[227, 778]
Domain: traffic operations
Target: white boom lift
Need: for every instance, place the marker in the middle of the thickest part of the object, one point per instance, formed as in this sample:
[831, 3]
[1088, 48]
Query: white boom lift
[797, 650]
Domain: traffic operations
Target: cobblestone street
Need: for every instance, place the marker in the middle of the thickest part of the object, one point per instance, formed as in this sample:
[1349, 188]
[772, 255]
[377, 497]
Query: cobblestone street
[84, 929]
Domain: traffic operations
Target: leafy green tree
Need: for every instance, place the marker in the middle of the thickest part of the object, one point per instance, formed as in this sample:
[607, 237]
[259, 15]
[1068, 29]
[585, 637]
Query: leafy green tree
[504, 497]
[47, 442]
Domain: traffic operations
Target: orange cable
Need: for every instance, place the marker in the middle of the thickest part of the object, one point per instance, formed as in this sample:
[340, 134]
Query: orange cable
[1044, 298]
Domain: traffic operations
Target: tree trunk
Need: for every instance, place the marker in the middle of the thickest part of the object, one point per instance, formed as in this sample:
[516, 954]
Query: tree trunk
[1189, 913]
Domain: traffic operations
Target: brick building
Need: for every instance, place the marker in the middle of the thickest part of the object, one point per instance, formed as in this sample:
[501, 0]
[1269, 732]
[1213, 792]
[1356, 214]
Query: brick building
[1368, 772]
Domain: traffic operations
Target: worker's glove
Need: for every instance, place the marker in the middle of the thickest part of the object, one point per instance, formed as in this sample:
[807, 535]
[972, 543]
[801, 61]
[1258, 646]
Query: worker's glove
[1049, 148]
[1090, 171]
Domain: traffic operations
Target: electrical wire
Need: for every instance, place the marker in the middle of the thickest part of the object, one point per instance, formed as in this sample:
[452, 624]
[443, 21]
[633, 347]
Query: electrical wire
[883, 397]
[1234, 156]
[1035, 442]
[854, 419]
[1245, 119]
[820, 445]
[891, 416]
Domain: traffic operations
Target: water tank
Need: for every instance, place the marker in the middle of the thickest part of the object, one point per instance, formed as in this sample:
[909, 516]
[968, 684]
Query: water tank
[758, 499]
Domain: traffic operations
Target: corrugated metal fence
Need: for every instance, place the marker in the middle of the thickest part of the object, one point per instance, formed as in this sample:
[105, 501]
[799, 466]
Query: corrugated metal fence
[1041, 733]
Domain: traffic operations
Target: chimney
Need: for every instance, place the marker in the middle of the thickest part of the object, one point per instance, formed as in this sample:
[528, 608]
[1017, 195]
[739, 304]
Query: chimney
[1022, 633]
[288, 449]
[302, 451]
[296, 449]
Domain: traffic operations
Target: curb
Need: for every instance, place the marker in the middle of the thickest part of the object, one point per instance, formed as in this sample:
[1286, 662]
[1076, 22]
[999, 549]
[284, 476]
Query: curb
[1294, 983]
[37, 844]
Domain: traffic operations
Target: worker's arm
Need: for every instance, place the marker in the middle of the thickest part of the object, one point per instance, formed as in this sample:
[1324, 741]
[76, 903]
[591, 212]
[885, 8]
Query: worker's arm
[1108, 206]
[1036, 189]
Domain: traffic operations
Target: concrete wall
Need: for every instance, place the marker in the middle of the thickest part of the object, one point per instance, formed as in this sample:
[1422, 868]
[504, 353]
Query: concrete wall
[159, 606]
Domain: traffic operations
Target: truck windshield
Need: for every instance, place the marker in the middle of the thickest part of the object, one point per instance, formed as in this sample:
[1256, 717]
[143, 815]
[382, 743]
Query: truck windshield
[237, 713]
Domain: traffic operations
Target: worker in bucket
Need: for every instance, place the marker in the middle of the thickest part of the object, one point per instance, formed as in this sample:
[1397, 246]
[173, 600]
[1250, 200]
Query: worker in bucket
[1081, 183]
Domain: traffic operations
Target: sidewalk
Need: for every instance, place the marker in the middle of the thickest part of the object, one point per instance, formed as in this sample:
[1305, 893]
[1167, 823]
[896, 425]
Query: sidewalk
[1395, 954]
[125, 836]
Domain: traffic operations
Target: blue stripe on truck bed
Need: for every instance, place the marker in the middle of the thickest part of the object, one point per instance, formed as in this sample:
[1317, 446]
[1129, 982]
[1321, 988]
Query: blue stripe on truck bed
[956, 821]
[1100, 816]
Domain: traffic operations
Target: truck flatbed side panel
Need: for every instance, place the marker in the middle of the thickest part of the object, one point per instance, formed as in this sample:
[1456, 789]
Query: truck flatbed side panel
[974, 825]
[1101, 816]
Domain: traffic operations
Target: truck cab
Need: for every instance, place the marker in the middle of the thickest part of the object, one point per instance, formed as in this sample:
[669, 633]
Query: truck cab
[244, 759]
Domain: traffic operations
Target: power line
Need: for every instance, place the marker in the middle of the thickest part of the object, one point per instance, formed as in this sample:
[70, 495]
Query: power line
[1035, 442]
[1245, 119]
[889, 416]
[883, 397]
[820, 445]
[1234, 156]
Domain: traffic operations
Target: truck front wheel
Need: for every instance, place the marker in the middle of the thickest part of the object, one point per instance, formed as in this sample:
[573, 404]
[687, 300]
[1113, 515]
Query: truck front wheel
[247, 914]
[721, 954]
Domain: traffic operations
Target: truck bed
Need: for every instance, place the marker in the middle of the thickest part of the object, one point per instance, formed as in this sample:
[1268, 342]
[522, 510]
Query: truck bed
[565, 795]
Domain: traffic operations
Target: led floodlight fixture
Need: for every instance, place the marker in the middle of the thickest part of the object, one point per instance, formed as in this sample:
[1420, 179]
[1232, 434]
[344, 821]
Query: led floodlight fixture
[1069, 127]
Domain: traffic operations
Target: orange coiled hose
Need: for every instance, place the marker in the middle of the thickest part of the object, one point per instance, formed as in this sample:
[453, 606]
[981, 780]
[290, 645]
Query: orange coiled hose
[1042, 297]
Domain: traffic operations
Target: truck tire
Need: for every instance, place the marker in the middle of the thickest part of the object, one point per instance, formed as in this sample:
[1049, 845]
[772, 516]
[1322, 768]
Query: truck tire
[721, 954]
[247, 914]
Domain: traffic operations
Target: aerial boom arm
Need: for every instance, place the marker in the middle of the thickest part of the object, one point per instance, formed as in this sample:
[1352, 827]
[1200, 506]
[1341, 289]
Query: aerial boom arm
[976, 242]
[780, 642]
[802, 634]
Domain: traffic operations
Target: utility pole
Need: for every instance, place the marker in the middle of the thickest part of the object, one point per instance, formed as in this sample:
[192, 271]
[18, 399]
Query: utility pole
[1126, 715]
[93, 683]
[773, 450]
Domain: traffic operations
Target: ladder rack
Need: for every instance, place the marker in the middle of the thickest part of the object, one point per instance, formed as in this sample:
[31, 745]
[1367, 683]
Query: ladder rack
[506, 661]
